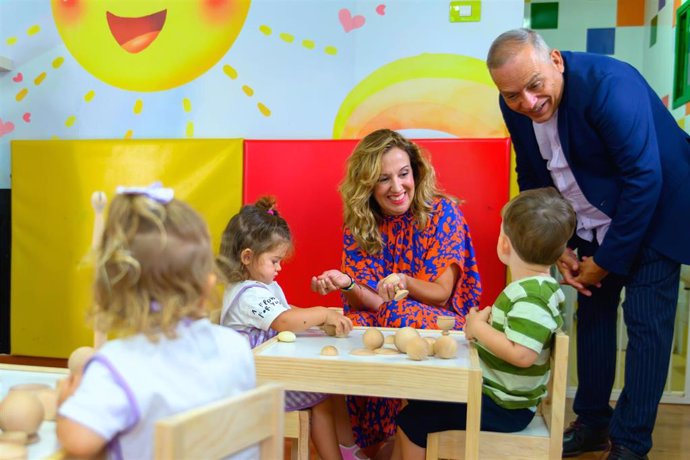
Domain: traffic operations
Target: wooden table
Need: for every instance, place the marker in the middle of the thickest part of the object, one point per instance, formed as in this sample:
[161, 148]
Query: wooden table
[300, 366]
[47, 445]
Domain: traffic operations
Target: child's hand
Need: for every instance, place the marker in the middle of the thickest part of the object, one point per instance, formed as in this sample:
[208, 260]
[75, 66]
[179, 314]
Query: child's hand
[67, 386]
[329, 281]
[473, 319]
[343, 324]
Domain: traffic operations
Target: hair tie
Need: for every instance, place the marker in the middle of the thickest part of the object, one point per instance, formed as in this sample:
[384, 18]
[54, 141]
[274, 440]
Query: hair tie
[154, 306]
[155, 191]
[271, 212]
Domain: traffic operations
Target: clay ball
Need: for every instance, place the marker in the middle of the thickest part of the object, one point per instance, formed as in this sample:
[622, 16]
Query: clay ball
[21, 411]
[45, 393]
[329, 350]
[79, 357]
[417, 349]
[372, 338]
[403, 335]
[329, 329]
[287, 336]
[445, 347]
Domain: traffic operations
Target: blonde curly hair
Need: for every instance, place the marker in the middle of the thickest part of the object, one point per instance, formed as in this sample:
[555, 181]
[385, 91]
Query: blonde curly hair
[362, 214]
[153, 267]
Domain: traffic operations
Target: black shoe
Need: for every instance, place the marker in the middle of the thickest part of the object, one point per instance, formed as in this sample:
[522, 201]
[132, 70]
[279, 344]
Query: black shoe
[619, 452]
[579, 438]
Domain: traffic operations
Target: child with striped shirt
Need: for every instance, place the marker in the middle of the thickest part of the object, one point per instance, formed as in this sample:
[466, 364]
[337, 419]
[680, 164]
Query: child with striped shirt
[513, 337]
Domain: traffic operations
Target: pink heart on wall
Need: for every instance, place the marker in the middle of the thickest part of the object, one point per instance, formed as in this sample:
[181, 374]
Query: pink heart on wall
[18, 78]
[6, 128]
[381, 9]
[27, 117]
[348, 21]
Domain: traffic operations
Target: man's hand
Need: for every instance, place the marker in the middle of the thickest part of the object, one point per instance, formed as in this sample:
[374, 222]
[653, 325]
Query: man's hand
[580, 274]
[590, 273]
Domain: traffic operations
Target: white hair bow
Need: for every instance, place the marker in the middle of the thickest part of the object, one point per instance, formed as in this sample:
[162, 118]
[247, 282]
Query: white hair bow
[155, 191]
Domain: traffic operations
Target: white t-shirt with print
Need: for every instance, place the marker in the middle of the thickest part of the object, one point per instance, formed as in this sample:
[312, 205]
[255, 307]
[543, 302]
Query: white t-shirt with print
[258, 305]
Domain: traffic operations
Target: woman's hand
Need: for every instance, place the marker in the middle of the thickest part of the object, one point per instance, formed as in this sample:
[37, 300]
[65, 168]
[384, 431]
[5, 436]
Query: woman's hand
[473, 320]
[343, 324]
[329, 281]
[388, 286]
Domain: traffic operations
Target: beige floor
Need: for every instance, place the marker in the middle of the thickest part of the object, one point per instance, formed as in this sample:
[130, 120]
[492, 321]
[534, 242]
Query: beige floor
[671, 435]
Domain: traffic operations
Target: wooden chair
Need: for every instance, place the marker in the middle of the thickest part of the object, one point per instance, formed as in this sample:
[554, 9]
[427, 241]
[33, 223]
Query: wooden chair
[225, 427]
[297, 427]
[543, 437]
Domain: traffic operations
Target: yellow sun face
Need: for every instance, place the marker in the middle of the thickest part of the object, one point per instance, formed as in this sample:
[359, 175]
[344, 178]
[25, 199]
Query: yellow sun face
[148, 45]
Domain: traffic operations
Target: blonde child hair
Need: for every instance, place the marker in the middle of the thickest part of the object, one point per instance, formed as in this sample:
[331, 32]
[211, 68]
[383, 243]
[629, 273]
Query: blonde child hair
[154, 271]
[153, 266]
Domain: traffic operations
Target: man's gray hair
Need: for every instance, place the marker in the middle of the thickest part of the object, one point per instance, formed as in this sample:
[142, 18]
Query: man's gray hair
[505, 46]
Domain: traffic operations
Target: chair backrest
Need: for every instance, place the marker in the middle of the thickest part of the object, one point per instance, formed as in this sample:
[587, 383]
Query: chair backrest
[225, 427]
[530, 443]
[553, 406]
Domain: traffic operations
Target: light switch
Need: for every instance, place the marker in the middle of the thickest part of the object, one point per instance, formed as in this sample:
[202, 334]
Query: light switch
[465, 11]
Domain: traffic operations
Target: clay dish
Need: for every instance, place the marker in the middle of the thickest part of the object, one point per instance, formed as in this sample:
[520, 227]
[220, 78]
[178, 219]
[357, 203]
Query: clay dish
[13, 451]
[362, 352]
[445, 323]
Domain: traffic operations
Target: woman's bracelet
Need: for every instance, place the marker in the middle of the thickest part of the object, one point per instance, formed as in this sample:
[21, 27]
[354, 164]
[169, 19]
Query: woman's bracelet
[351, 286]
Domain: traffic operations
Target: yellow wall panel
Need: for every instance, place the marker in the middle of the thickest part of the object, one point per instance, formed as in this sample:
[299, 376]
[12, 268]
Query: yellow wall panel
[52, 220]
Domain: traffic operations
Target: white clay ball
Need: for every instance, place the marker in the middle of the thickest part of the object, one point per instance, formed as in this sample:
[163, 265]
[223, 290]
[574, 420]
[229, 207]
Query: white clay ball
[287, 336]
[445, 347]
[79, 357]
[329, 350]
[21, 411]
[417, 349]
[403, 335]
[372, 338]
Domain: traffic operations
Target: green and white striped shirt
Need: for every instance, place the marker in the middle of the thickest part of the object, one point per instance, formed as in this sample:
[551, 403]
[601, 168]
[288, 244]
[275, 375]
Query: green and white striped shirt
[528, 312]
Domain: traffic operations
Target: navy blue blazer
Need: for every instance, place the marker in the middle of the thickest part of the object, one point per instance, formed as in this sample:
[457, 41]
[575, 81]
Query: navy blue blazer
[627, 153]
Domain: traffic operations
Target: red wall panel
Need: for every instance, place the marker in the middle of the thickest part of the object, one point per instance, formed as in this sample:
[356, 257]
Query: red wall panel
[304, 175]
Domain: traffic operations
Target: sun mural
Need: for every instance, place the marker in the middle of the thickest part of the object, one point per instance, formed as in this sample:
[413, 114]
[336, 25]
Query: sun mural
[148, 45]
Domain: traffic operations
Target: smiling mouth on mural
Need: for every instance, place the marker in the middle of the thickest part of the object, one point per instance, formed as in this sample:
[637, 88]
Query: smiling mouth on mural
[136, 34]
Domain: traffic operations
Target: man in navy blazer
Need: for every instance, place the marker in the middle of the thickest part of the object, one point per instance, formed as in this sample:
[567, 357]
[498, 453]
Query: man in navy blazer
[592, 127]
